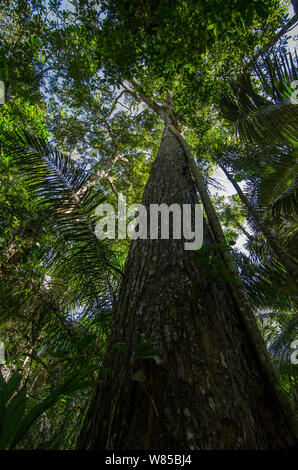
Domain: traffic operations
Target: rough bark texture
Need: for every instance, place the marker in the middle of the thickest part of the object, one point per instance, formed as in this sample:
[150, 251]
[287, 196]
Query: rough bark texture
[208, 391]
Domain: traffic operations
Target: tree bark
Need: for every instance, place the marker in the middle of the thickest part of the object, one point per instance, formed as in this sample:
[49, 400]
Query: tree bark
[205, 388]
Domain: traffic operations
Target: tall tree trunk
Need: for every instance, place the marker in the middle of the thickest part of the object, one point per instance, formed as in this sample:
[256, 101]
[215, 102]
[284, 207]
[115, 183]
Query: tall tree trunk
[205, 389]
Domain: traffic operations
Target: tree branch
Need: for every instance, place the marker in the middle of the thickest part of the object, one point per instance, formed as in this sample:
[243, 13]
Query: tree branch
[265, 48]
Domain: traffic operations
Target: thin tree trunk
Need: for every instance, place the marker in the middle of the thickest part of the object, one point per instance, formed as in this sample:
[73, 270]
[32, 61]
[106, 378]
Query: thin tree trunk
[273, 243]
[205, 388]
[261, 52]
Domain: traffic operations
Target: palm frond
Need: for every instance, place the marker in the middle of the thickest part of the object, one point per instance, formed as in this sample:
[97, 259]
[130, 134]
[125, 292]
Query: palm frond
[48, 173]
[266, 282]
[67, 197]
[287, 203]
[262, 125]
[265, 115]
[276, 72]
[62, 245]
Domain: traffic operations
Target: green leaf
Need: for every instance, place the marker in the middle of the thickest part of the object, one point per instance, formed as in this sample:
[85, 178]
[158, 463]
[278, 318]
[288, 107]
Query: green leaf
[139, 376]
[16, 425]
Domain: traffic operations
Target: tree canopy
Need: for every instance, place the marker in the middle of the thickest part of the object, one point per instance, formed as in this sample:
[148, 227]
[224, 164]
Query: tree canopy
[89, 86]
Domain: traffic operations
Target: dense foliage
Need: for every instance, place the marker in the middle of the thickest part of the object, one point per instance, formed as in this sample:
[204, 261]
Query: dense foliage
[84, 85]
